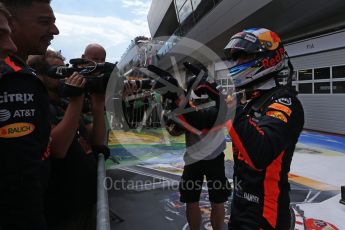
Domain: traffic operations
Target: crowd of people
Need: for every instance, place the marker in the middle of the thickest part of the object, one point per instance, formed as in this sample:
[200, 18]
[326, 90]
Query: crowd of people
[49, 145]
[48, 166]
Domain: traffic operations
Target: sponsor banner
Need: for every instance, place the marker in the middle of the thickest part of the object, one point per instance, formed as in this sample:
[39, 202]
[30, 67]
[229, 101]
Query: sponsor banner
[4, 115]
[24, 113]
[284, 101]
[280, 107]
[270, 62]
[277, 115]
[16, 97]
[16, 130]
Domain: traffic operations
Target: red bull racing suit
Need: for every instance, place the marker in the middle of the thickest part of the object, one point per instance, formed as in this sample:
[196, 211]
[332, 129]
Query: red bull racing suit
[264, 134]
[24, 137]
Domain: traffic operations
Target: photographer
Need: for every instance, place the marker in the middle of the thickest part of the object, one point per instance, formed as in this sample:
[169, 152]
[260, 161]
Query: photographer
[71, 196]
[24, 124]
[94, 52]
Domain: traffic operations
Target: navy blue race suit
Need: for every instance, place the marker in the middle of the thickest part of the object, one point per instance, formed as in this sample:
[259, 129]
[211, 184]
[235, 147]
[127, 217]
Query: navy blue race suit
[24, 140]
[264, 135]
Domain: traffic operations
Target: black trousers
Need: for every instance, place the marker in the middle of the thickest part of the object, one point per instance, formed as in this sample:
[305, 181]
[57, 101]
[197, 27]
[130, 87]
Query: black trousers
[21, 204]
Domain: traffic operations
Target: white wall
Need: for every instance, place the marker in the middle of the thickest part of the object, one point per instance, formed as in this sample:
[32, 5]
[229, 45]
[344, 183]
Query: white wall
[157, 11]
[323, 112]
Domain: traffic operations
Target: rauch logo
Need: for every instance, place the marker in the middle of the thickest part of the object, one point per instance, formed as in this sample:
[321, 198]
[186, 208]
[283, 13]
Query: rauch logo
[16, 130]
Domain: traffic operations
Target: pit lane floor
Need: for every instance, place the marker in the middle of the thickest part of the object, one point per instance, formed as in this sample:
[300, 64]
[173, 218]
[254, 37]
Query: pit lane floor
[143, 188]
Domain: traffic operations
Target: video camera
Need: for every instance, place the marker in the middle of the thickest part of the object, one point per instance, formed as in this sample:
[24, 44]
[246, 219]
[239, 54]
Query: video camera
[97, 74]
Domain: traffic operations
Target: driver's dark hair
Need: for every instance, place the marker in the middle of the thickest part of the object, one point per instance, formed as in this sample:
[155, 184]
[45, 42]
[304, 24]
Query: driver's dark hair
[14, 5]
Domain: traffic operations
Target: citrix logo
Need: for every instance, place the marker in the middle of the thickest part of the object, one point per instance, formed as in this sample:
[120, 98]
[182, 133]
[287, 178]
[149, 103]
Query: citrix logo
[16, 97]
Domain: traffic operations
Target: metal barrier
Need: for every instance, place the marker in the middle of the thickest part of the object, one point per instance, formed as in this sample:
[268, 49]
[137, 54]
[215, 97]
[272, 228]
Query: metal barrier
[103, 220]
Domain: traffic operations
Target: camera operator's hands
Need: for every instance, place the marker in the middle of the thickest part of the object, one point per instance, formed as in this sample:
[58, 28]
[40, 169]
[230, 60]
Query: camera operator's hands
[76, 80]
[73, 86]
[64, 132]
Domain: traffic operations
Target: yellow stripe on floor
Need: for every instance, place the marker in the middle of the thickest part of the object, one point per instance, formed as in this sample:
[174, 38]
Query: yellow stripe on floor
[312, 183]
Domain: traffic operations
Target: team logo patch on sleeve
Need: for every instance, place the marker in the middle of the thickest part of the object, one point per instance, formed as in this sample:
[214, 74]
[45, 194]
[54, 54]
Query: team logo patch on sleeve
[278, 115]
[280, 107]
[284, 101]
[16, 130]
